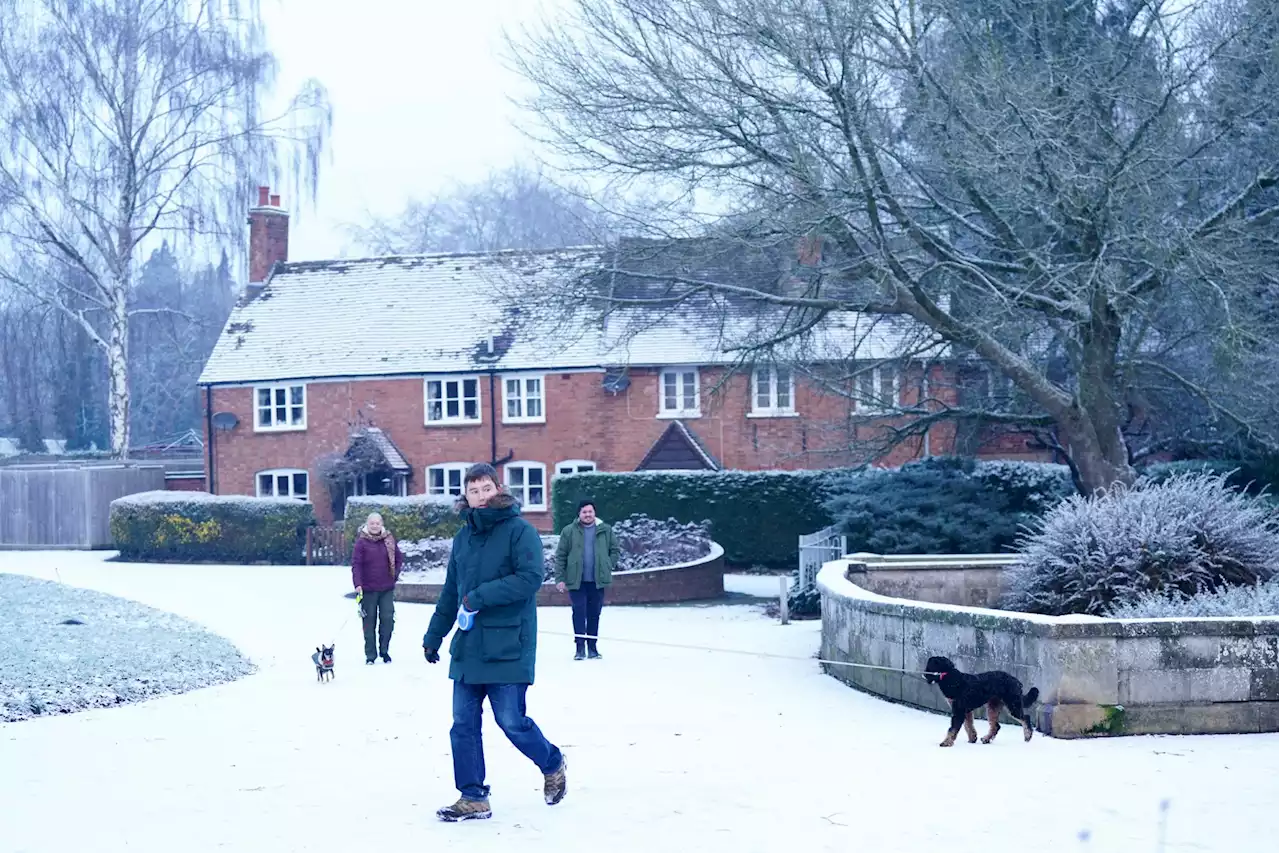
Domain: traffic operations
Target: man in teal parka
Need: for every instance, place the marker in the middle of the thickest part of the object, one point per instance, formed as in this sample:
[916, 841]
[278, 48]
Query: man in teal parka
[490, 591]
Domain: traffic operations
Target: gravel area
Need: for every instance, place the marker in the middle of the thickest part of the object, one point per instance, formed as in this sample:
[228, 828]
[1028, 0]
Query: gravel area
[66, 649]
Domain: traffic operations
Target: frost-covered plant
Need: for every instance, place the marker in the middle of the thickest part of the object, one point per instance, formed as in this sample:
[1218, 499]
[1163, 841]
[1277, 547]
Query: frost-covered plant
[646, 543]
[1187, 534]
[1261, 599]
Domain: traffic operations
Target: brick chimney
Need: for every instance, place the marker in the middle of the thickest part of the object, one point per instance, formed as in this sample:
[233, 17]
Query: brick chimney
[268, 237]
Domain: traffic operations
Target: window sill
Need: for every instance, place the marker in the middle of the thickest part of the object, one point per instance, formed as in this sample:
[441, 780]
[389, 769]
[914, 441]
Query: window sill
[524, 509]
[452, 424]
[271, 429]
[771, 413]
[524, 421]
[679, 416]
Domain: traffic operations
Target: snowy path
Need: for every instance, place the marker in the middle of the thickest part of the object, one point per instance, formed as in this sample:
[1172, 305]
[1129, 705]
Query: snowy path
[668, 749]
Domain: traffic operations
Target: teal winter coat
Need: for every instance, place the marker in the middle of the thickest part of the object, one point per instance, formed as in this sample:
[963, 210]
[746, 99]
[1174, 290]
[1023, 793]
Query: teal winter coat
[496, 564]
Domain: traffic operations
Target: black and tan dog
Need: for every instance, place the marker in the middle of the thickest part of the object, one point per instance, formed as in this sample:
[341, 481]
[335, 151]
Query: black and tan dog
[323, 659]
[970, 692]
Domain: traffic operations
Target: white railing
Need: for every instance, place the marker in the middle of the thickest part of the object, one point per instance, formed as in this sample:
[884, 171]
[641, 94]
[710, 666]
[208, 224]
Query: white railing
[817, 548]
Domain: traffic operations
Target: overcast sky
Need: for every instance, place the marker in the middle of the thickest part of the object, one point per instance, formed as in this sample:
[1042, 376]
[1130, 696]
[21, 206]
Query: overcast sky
[420, 99]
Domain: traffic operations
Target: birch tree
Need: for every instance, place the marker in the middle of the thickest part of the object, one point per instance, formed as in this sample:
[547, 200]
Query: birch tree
[126, 121]
[1052, 186]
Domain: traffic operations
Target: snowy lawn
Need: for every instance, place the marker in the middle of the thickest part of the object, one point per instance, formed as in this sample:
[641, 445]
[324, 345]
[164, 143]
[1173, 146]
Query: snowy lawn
[64, 649]
[668, 749]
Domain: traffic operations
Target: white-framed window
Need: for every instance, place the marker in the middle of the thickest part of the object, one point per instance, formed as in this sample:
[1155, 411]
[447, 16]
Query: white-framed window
[773, 391]
[447, 479]
[528, 482]
[575, 466]
[878, 389]
[523, 400]
[284, 483]
[279, 407]
[678, 393]
[452, 400]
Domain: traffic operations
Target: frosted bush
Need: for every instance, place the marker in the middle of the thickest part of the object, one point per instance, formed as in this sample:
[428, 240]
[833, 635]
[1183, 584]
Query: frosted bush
[1262, 599]
[1188, 534]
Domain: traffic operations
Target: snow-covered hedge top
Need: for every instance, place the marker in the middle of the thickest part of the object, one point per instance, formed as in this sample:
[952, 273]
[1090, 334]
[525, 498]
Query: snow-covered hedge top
[408, 502]
[833, 580]
[177, 499]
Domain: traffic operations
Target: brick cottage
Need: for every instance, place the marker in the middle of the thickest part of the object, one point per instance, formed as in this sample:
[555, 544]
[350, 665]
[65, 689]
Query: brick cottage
[392, 375]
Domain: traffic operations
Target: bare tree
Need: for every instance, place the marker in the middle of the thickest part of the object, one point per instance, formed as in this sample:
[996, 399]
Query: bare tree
[517, 208]
[1053, 187]
[128, 120]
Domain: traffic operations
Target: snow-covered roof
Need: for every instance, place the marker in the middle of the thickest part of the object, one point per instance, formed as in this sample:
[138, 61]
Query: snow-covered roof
[424, 314]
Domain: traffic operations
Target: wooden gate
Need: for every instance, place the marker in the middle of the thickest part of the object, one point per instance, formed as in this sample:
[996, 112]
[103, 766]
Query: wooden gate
[327, 546]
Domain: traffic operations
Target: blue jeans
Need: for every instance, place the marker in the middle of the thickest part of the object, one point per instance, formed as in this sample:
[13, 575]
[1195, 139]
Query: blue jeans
[507, 703]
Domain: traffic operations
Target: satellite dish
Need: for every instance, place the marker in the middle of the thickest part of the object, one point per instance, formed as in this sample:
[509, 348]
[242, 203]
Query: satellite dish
[225, 421]
[616, 381]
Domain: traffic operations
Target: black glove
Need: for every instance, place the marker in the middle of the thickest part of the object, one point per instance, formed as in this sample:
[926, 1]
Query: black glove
[431, 655]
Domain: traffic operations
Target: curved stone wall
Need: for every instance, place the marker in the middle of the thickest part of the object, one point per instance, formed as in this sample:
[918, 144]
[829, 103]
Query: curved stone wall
[693, 581]
[1096, 676]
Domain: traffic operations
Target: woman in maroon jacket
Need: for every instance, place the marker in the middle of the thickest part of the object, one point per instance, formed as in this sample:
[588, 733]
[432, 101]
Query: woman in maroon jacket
[372, 573]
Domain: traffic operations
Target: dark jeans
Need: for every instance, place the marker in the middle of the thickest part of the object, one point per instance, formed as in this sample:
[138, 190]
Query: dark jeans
[587, 601]
[507, 703]
[379, 619]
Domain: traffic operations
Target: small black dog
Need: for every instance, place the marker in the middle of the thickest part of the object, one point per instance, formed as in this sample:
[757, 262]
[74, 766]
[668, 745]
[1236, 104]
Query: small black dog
[323, 659]
[970, 692]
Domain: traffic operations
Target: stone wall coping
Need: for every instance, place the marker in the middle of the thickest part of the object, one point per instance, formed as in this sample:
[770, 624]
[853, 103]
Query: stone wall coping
[716, 552]
[833, 579]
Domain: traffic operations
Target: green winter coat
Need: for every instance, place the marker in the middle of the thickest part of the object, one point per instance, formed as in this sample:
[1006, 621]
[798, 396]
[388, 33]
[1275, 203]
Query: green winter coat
[569, 555]
[496, 564]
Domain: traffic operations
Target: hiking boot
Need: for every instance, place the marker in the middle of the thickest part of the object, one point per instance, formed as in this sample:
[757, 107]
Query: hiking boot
[386, 658]
[593, 653]
[368, 661]
[554, 784]
[465, 809]
[579, 655]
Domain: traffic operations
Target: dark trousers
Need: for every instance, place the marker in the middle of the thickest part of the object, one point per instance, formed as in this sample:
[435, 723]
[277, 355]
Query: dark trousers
[587, 601]
[379, 620]
[507, 703]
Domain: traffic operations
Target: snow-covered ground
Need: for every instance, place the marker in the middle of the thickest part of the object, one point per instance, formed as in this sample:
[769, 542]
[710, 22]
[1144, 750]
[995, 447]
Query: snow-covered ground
[668, 748]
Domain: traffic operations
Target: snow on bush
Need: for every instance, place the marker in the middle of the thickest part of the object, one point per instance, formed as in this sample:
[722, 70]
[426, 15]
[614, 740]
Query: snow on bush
[65, 649]
[1187, 534]
[643, 542]
[1261, 599]
[195, 527]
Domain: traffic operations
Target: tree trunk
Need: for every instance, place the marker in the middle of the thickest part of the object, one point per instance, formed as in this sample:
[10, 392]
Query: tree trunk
[1100, 460]
[118, 373]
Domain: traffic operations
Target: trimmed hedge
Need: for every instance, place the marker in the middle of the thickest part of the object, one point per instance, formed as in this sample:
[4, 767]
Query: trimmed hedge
[756, 515]
[195, 527]
[410, 519]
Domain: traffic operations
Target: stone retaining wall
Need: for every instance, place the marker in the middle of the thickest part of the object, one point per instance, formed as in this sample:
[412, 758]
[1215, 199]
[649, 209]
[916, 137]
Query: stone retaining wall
[697, 580]
[1096, 676]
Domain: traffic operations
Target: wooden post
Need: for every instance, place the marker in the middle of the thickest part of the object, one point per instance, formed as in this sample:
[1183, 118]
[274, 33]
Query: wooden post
[782, 600]
[309, 532]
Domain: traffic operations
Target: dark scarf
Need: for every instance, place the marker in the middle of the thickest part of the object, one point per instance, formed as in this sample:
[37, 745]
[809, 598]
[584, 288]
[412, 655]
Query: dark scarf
[387, 539]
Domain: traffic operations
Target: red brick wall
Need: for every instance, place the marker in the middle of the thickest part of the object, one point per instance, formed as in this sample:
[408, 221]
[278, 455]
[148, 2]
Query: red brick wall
[583, 422]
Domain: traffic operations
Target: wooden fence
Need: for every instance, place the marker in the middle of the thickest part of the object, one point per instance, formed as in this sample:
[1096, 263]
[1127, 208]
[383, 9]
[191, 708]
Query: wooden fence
[67, 506]
[327, 546]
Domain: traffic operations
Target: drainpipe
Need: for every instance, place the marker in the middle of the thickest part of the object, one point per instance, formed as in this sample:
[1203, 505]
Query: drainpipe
[208, 425]
[493, 426]
[924, 393]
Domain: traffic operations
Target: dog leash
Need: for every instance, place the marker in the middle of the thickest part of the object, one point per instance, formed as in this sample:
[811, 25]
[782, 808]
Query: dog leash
[772, 655]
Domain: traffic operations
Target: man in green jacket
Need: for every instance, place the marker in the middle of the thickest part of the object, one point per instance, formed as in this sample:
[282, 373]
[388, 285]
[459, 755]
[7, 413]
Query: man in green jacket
[490, 591]
[585, 559]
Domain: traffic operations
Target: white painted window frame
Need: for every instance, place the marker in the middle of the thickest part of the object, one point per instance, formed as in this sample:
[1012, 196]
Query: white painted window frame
[773, 410]
[461, 419]
[679, 411]
[276, 473]
[524, 398]
[522, 491]
[272, 388]
[446, 468]
[574, 465]
[866, 407]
